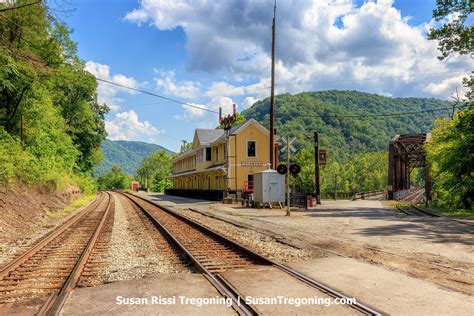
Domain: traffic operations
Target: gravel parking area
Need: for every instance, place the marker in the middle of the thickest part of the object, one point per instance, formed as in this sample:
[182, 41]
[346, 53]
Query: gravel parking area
[437, 250]
[137, 249]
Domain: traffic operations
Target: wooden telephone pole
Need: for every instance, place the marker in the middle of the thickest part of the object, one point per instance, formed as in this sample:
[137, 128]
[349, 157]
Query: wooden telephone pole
[272, 96]
[316, 168]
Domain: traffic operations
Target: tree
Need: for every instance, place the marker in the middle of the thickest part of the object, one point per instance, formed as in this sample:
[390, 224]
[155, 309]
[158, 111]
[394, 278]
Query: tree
[155, 170]
[451, 154]
[48, 102]
[363, 172]
[114, 179]
[451, 150]
[454, 36]
[186, 146]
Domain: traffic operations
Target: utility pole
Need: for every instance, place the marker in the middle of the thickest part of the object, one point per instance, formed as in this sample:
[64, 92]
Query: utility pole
[316, 168]
[288, 212]
[335, 186]
[272, 95]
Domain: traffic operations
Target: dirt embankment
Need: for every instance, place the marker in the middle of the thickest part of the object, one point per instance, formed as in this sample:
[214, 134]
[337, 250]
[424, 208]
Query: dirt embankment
[24, 215]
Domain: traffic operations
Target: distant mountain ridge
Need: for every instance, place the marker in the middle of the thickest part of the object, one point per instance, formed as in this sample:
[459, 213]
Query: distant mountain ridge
[127, 154]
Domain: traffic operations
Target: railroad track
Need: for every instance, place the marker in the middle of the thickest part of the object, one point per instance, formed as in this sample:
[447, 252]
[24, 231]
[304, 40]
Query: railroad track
[413, 210]
[415, 196]
[44, 275]
[212, 254]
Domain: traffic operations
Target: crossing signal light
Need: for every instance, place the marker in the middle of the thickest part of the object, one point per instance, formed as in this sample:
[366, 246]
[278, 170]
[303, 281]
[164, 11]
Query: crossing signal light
[282, 169]
[295, 169]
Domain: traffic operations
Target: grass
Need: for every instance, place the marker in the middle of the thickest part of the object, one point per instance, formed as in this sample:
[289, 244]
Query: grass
[72, 207]
[459, 213]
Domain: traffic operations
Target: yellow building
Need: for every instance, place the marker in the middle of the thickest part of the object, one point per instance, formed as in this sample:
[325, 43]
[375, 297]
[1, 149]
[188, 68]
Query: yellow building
[204, 168]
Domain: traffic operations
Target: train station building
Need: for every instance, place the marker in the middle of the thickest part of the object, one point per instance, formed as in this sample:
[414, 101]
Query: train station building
[202, 171]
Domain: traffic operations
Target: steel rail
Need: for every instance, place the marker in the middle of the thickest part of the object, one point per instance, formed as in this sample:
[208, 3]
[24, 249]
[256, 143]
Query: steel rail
[238, 305]
[54, 306]
[431, 213]
[402, 210]
[5, 270]
[259, 258]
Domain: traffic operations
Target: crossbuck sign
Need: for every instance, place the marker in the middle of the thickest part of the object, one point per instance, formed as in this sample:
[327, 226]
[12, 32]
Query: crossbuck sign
[287, 144]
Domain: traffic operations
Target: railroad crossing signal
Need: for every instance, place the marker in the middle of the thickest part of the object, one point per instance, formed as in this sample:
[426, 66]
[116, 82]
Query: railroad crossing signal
[295, 169]
[287, 144]
[282, 169]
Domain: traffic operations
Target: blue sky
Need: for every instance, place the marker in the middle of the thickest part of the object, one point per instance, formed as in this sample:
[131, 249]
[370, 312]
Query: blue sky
[215, 53]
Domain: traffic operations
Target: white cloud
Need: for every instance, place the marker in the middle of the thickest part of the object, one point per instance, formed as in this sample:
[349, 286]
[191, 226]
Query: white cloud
[331, 42]
[197, 115]
[248, 102]
[446, 87]
[127, 126]
[222, 88]
[185, 89]
[107, 93]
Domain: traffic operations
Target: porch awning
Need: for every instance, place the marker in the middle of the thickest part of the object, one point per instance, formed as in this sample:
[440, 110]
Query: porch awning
[198, 171]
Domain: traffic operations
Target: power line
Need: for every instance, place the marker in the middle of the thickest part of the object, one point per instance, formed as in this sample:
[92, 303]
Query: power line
[157, 95]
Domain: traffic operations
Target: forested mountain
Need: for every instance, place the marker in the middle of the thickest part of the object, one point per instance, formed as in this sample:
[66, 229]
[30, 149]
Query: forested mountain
[354, 126]
[127, 154]
[347, 121]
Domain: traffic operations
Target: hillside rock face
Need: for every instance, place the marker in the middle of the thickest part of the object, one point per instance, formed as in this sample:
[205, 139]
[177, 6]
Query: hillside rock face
[24, 216]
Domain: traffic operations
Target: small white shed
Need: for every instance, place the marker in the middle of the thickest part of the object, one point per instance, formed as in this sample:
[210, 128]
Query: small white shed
[268, 187]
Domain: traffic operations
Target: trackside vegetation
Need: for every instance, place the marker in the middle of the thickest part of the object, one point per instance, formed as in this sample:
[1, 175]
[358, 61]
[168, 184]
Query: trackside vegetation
[51, 125]
[154, 171]
[451, 152]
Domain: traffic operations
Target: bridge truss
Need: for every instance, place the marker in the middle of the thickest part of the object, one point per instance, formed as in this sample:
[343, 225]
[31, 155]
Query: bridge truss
[405, 153]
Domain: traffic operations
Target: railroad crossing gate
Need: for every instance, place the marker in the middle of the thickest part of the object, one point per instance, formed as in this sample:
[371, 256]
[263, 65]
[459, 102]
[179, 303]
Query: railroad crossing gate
[406, 152]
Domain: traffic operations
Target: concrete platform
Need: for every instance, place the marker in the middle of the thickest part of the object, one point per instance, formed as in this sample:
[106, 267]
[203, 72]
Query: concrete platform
[269, 282]
[103, 300]
[393, 292]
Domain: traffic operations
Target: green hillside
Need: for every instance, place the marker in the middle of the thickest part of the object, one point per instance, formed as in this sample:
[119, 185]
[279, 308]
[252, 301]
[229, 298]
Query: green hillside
[354, 126]
[128, 154]
[329, 113]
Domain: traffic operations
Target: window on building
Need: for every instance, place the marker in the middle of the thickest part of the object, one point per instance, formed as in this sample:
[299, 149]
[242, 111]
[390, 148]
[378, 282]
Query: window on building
[251, 148]
[208, 153]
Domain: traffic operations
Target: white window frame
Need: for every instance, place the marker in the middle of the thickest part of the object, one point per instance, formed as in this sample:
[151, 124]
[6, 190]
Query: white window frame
[247, 149]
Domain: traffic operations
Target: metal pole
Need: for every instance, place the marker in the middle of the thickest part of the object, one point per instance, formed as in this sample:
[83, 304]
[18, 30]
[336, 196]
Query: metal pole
[288, 212]
[227, 145]
[316, 168]
[335, 186]
[272, 95]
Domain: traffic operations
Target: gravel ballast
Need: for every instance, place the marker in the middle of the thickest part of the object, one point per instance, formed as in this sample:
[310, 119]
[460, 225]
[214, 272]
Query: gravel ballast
[263, 244]
[137, 248]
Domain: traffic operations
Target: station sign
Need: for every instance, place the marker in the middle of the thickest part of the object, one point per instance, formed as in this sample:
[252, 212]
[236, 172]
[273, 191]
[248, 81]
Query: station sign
[323, 155]
[252, 163]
